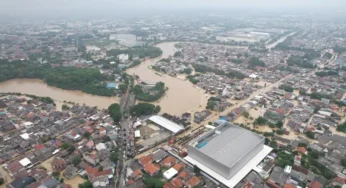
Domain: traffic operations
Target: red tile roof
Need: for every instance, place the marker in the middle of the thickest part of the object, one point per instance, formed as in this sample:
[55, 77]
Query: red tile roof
[39, 147]
[177, 182]
[184, 175]
[168, 161]
[315, 184]
[289, 186]
[272, 184]
[193, 181]
[137, 172]
[169, 185]
[151, 169]
[281, 111]
[302, 150]
[179, 166]
[145, 160]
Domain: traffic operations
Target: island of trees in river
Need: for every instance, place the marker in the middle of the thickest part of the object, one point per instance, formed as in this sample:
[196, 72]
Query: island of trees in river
[88, 80]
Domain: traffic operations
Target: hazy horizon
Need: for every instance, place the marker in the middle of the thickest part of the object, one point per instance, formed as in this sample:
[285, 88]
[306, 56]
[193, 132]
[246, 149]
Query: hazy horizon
[131, 8]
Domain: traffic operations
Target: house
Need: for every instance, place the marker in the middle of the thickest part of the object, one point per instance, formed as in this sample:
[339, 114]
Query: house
[70, 172]
[159, 155]
[315, 184]
[97, 177]
[137, 174]
[193, 182]
[184, 175]
[145, 160]
[58, 164]
[302, 150]
[91, 158]
[14, 167]
[21, 182]
[137, 184]
[151, 169]
[168, 161]
[179, 166]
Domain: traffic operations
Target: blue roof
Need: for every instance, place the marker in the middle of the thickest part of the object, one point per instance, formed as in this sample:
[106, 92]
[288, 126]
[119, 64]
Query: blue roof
[111, 85]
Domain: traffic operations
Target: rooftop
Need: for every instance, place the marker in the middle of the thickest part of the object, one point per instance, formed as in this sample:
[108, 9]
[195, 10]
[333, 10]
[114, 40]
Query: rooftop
[228, 144]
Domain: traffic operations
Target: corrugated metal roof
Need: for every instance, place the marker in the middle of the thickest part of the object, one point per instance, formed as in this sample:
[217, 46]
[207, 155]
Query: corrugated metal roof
[167, 124]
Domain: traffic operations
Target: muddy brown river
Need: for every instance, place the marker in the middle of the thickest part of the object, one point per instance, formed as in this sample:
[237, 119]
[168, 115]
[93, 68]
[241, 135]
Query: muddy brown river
[182, 96]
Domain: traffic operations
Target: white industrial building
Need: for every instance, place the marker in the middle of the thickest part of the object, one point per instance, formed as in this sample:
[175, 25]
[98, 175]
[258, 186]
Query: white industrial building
[227, 153]
[167, 124]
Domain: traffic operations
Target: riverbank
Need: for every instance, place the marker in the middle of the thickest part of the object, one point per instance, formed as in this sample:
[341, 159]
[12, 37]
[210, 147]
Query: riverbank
[40, 88]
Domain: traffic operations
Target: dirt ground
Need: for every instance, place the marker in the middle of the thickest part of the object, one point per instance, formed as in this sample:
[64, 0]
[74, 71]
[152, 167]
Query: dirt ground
[6, 176]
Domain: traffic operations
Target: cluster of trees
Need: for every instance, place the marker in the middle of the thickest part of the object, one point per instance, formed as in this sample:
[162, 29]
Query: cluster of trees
[186, 71]
[235, 60]
[327, 73]
[153, 182]
[254, 62]
[260, 121]
[192, 78]
[140, 51]
[286, 88]
[68, 147]
[300, 62]
[134, 64]
[310, 134]
[158, 91]
[144, 109]
[87, 80]
[86, 184]
[212, 102]
[115, 112]
[310, 161]
[319, 96]
[328, 55]
[230, 74]
[339, 49]
[341, 127]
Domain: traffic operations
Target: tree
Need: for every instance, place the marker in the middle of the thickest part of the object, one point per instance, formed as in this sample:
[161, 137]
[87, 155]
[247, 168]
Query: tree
[65, 107]
[310, 134]
[56, 174]
[65, 145]
[115, 112]
[196, 170]
[279, 124]
[141, 109]
[87, 135]
[76, 160]
[343, 162]
[100, 168]
[114, 156]
[86, 184]
[153, 183]
[2, 181]
[260, 121]
[254, 62]
[246, 114]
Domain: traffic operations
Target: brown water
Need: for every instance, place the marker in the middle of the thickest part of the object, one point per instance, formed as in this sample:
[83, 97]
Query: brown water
[40, 88]
[182, 96]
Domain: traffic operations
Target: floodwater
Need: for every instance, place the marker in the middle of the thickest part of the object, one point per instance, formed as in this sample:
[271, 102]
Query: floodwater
[40, 88]
[181, 96]
[272, 45]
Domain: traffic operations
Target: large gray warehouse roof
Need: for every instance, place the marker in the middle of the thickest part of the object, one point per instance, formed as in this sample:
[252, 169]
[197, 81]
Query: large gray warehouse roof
[229, 144]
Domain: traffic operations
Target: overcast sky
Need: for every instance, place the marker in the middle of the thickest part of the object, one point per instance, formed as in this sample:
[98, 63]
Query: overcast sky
[24, 8]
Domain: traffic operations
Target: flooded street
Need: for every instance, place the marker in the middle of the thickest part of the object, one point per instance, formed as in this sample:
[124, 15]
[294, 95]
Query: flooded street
[182, 96]
[280, 40]
[40, 88]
